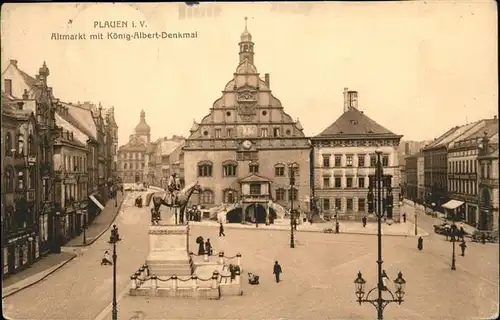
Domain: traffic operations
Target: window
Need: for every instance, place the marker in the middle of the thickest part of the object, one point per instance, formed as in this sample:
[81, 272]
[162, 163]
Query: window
[361, 205]
[361, 160]
[20, 180]
[326, 182]
[217, 133]
[349, 182]
[338, 182]
[349, 161]
[361, 182]
[142, 165]
[279, 171]
[326, 204]
[385, 161]
[488, 170]
[20, 145]
[8, 144]
[205, 170]
[9, 177]
[253, 168]
[276, 132]
[263, 132]
[373, 160]
[207, 197]
[32, 179]
[255, 189]
[125, 166]
[483, 171]
[326, 161]
[294, 169]
[280, 194]
[229, 170]
[31, 149]
[230, 196]
[229, 132]
[338, 204]
[293, 194]
[349, 205]
[338, 160]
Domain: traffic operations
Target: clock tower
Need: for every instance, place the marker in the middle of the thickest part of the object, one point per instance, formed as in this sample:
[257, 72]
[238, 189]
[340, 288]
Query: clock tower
[246, 45]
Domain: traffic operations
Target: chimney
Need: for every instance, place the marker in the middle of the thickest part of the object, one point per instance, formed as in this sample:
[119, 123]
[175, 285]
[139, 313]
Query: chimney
[13, 62]
[267, 80]
[25, 94]
[407, 148]
[353, 99]
[346, 102]
[495, 117]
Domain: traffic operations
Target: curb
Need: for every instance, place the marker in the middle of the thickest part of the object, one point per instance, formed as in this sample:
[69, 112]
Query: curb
[317, 231]
[103, 232]
[39, 280]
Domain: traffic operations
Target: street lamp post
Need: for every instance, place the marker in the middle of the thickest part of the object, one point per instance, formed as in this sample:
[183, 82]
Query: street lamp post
[380, 303]
[453, 234]
[415, 211]
[114, 239]
[292, 215]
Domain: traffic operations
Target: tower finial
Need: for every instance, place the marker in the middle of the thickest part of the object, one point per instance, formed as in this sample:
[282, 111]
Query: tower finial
[246, 19]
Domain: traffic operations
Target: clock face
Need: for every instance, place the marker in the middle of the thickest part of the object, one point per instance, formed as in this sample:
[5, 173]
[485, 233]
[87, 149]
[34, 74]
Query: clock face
[247, 144]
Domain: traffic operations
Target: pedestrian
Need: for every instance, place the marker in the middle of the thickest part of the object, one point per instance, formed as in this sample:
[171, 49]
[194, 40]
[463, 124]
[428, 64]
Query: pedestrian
[221, 230]
[364, 221]
[277, 271]
[404, 217]
[208, 247]
[337, 227]
[462, 247]
[461, 232]
[105, 260]
[420, 244]
[483, 238]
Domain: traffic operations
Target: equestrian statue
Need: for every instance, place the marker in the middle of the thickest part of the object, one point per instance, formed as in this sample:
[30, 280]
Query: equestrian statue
[174, 198]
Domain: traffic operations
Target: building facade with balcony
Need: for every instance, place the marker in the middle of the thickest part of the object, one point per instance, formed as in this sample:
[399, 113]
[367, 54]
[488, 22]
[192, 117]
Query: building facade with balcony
[38, 98]
[488, 183]
[132, 156]
[21, 184]
[244, 150]
[344, 160]
[463, 168]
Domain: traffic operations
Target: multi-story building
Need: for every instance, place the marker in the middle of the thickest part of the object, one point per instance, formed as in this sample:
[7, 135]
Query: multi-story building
[150, 164]
[245, 148]
[37, 98]
[411, 186]
[70, 168]
[463, 170]
[20, 186]
[344, 160]
[168, 154]
[488, 183]
[436, 164]
[131, 156]
[420, 178]
[111, 143]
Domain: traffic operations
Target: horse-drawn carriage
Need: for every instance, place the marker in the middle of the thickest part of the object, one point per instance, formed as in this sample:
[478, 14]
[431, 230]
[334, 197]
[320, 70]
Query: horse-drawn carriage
[485, 236]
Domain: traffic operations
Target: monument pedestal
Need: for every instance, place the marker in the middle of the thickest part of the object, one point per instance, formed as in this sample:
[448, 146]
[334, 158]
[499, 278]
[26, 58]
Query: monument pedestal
[169, 251]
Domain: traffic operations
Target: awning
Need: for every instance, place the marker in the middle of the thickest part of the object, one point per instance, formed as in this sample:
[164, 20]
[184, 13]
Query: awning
[97, 203]
[452, 204]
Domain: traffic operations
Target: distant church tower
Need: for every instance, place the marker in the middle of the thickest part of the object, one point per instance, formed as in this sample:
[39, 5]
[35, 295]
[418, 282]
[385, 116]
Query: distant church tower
[143, 130]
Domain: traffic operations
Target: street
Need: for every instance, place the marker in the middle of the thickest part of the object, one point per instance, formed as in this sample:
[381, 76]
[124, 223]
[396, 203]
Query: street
[317, 277]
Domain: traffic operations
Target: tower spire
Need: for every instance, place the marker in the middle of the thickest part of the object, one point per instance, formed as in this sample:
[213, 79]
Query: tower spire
[246, 45]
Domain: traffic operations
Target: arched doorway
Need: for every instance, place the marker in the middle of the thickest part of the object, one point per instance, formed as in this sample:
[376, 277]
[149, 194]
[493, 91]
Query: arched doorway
[256, 211]
[485, 214]
[234, 216]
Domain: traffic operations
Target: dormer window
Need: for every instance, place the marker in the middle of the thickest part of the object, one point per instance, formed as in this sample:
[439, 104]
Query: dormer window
[354, 122]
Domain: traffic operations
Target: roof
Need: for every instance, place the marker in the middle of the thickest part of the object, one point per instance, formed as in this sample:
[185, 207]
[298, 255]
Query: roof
[67, 126]
[82, 119]
[355, 123]
[169, 146]
[451, 135]
[10, 108]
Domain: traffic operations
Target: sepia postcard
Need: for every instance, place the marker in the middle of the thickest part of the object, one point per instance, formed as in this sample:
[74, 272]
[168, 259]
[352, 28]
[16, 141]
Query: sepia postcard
[250, 160]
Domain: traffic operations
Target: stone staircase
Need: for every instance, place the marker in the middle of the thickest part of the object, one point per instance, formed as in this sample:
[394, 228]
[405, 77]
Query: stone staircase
[167, 268]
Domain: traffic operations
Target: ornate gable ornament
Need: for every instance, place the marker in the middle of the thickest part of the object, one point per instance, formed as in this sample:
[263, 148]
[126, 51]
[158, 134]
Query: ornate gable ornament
[246, 94]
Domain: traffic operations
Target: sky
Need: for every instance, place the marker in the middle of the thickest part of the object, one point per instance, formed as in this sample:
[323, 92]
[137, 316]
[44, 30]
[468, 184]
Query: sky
[420, 68]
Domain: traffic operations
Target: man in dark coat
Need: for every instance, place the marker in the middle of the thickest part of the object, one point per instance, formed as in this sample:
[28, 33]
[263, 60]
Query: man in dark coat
[462, 247]
[364, 221]
[221, 230]
[277, 271]
[420, 244]
[208, 247]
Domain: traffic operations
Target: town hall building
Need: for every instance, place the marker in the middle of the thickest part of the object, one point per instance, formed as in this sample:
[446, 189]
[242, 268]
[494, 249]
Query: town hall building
[244, 150]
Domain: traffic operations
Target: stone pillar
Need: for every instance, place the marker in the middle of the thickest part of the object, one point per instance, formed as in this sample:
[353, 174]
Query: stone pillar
[215, 280]
[174, 282]
[221, 258]
[133, 282]
[154, 282]
[194, 282]
[237, 277]
[205, 257]
[238, 259]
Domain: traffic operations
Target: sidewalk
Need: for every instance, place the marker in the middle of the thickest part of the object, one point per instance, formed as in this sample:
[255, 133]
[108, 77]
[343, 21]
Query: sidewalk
[346, 227]
[100, 224]
[36, 273]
